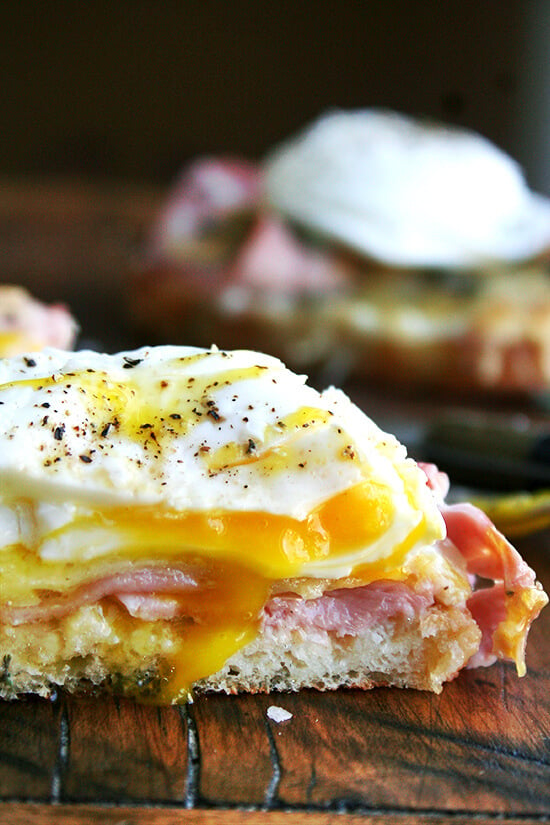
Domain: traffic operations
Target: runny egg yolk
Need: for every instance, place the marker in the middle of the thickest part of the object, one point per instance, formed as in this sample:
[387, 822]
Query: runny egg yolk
[233, 556]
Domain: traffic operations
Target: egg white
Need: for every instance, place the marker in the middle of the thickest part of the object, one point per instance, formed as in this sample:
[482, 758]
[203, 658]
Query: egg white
[69, 448]
[408, 192]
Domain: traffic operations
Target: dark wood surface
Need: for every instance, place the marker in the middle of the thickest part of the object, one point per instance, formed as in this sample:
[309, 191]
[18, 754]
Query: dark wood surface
[479, 752]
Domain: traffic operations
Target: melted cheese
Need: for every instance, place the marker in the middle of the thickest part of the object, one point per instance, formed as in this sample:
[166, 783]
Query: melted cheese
[225, 463]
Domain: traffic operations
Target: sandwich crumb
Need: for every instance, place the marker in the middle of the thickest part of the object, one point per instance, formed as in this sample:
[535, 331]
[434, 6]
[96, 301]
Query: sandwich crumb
[278, 714]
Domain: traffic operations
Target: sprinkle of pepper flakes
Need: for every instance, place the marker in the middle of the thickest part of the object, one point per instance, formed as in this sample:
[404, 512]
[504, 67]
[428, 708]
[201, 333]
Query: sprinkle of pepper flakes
[130, 363]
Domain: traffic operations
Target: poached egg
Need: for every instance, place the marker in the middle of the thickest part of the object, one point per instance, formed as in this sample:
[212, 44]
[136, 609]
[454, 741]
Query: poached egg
[408, 192]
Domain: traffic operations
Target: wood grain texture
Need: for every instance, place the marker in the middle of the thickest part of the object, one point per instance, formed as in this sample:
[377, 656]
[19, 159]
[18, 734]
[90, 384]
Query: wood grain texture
[400, 750]
[142, 754]
[235, 754]
[29, 749]
[93, 815]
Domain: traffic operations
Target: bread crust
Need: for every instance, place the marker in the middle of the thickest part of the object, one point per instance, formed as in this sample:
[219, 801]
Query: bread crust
[84, 652]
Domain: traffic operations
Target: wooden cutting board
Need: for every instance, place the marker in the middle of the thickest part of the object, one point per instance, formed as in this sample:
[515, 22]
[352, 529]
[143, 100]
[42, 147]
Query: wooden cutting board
[479, 752]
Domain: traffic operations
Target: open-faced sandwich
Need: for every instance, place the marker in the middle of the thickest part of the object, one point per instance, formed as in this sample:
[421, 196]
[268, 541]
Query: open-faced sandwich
[177, 519]
[374, 243]
[27, 324]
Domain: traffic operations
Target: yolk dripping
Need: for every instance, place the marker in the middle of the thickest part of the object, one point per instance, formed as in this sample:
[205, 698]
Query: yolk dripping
[239, 554]
[272, 546]
[213, 622]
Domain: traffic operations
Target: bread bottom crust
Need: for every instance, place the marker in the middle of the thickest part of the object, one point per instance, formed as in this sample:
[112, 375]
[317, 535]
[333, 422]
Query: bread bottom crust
[84, 653]
[393, 322]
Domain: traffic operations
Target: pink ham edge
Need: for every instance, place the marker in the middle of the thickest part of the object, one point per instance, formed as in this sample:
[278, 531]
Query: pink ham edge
[272, 258]
[505, 609]
[346, 612]
[149, 607]
[438, 481]
[147, 581]
[205, 195]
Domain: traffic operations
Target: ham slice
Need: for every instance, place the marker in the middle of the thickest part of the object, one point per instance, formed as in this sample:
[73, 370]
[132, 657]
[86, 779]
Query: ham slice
[208, 192]
[512, 599]
[148, 580]
[438, 482]
[273, 258]
[506, 597]
[346, 612]
[149, 607]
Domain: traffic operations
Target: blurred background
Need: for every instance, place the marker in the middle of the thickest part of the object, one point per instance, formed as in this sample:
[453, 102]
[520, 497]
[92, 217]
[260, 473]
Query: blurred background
[103, 102]
[132, 89]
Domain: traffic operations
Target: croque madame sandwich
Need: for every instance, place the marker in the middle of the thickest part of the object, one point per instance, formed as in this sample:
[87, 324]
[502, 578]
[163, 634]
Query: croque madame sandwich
[370, 243]
[177, 520]
[29, 324]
